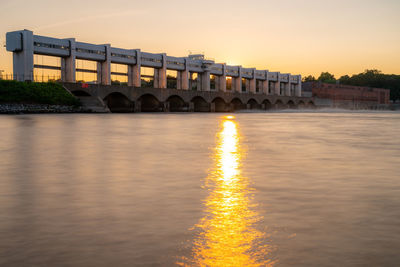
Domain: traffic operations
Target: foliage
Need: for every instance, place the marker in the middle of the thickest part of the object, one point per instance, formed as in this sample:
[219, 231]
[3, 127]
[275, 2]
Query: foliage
[309, 78]
[35, 93]
[326, 77]
[375, 78]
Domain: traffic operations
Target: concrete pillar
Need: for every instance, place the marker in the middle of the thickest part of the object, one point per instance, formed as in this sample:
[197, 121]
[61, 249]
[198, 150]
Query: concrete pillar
[265, 88]
[237, 85]
[162, 72]
[106, 67]
[191, 107]
[288, 87]
[205, 81]
[156, 79]
[68, 64]
[185, 76]
[166, 106]
[21, 44]
[278, 85]
[98, 72]
[253, 83]
[178, 80]
[298, 86]
[222, 79]
[134, 73]
[138, 106]
[212, 107]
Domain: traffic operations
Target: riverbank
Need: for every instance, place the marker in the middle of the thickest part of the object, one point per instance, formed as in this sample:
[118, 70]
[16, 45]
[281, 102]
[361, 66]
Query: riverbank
[40, 108]
[26, 97]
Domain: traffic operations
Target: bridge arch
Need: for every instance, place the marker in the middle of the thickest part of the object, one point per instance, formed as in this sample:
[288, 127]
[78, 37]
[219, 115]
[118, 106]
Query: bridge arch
[176, 104]
[200, 104]
[237, 104]
[220, 104]
[291, 104]
[119, 103]
[252, 104]
[279, 104]
[301, 104]
[267, 104]
[311, 104]
[149, 103]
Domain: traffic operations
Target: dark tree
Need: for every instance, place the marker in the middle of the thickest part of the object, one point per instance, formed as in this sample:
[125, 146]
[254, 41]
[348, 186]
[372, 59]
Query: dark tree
[326, 77]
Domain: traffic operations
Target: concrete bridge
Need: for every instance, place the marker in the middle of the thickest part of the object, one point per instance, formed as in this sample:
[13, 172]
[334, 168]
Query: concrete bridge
[154, 82]
[120, 98]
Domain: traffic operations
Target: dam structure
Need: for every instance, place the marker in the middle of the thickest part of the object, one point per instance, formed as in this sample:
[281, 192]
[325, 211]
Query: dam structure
[154, 82]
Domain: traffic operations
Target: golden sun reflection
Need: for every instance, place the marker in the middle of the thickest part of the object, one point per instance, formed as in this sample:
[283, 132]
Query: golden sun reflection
[227, 234]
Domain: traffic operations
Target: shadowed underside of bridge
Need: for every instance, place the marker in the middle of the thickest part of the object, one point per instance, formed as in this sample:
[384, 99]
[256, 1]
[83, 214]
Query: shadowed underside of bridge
[133, 99]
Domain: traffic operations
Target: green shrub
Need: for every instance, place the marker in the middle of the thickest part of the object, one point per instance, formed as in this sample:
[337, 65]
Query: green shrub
[35, 93]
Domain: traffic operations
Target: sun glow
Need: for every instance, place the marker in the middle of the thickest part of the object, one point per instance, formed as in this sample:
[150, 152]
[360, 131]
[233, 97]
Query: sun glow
[228, 234]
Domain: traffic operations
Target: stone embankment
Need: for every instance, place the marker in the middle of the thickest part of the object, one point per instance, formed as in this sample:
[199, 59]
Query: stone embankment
[40, 108]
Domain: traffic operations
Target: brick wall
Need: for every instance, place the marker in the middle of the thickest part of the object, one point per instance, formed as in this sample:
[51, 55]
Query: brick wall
[340, 93]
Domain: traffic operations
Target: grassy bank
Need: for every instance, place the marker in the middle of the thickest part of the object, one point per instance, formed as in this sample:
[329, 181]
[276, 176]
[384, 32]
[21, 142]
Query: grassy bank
[35, 93]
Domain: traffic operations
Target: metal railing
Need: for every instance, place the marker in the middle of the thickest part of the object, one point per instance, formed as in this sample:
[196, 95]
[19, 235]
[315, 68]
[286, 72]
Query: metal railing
[33, 78]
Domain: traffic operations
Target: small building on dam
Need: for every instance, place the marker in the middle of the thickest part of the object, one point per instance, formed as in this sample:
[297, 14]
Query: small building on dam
[131, 80]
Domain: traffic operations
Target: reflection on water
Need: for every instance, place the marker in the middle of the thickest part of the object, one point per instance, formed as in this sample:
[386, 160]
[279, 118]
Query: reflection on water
[228, 236]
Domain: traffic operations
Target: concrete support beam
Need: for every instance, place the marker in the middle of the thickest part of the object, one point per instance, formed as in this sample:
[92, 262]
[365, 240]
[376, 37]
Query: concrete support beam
[185, 77]
[298, 86]
[212, 107]
[265, 87]
[178, 80]
[162, 73]
[182, 78]
[237, 84]
[134, 73]
[21, 44]
[288, 88]
[205, 81]
[278, 85]
[246, 85]
[222, 79]
[156, 78]
[68, 64]
[253, 83]
[105, 67]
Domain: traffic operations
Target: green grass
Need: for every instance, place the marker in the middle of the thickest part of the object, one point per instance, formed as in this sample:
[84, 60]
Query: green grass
[35, 93]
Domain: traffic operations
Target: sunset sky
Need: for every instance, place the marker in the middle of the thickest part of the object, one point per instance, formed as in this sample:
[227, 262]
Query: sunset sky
[296, 36]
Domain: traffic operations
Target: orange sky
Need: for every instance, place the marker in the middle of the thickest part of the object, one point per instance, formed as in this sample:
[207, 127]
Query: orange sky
[296, 36]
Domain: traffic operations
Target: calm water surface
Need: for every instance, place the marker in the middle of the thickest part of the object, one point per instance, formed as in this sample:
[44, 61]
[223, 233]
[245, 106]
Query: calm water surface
[262, 189]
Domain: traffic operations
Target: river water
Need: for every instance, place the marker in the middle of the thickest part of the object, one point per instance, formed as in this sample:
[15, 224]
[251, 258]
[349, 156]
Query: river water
[254, 189]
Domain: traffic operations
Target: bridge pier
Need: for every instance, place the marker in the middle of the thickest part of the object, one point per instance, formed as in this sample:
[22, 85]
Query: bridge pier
[212, 107]
[191, 107]
[166, 106]
[138, 106]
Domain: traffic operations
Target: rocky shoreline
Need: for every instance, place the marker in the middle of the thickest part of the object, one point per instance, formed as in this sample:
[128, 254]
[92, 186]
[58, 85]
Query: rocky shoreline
[40, 108]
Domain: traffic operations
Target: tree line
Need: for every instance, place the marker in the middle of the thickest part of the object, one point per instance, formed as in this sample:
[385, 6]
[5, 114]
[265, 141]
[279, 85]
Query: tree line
[369, 78]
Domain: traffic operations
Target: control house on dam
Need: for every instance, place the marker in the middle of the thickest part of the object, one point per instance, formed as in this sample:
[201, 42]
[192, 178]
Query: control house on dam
[130, 80]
